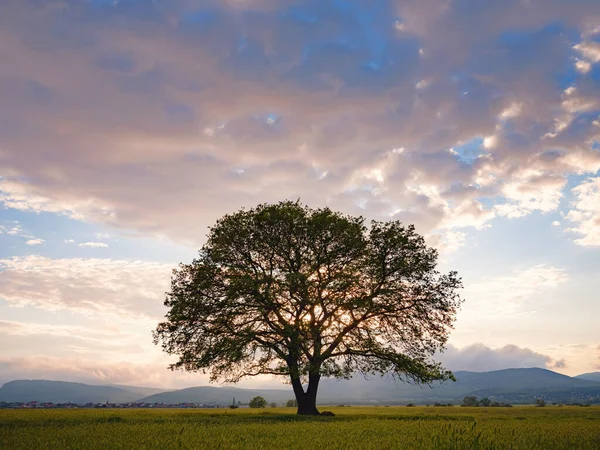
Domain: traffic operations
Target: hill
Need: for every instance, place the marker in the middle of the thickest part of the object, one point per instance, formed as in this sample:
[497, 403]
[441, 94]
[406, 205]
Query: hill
[64, 392]
[509, 385]
[218, 395]
[139, 390]
[494, 384]
[592, 376]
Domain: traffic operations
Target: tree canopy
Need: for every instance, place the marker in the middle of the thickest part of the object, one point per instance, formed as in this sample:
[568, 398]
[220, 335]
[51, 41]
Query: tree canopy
[283, 289]
[258, 402]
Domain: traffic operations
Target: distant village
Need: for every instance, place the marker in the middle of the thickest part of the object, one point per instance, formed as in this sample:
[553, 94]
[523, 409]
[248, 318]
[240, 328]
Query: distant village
[69, 405]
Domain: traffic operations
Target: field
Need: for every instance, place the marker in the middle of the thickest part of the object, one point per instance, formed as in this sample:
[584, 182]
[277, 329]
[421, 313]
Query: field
[279, 428]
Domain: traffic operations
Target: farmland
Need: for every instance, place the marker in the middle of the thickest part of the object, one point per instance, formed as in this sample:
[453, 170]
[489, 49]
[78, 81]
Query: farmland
[352, 428]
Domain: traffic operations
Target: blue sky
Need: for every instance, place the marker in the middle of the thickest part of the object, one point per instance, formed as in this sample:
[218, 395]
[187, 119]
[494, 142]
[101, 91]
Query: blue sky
[128, 127]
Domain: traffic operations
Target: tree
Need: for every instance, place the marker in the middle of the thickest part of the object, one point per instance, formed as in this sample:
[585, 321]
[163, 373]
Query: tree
[291, 404]
[258, 402]
[305, 293]
[470, 400]
[540, 402]
[273, 405]
[485, 401]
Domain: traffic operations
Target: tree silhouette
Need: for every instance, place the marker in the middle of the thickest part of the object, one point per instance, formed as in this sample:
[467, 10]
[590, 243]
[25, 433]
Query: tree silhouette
[305, 293]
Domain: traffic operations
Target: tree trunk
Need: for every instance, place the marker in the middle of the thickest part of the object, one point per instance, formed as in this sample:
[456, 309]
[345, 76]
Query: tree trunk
[307, 401]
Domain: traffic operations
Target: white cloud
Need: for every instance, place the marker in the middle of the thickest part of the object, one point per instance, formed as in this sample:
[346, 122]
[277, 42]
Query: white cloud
[25, 197]
[93, 287]
[69, 241]
[589, 50]
[13, 229]
[81, 369]
[175, 114]
[583, 66]
[510, 294]
[101, 335]
[513, 110]
[35, 241]
[94, 244]
[533, 191]
[104, 341]
[490, 142]
[476, 357]
[585, 212]
[481, 358]
[447, 241]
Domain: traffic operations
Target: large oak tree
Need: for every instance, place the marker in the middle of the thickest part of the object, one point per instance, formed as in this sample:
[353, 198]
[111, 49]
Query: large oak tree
[305, 293]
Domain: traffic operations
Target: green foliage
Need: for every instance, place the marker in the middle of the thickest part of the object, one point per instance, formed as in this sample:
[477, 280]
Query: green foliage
[540, 402]
[352, 428]
[291, 404]
[258, 402]
[288, 290]
[470, 400]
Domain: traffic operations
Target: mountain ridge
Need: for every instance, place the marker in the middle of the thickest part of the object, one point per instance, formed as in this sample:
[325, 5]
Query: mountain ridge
[521, 385]
[591, 376]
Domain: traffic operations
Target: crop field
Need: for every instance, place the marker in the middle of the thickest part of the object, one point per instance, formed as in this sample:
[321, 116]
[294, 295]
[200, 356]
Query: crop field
[279, 428]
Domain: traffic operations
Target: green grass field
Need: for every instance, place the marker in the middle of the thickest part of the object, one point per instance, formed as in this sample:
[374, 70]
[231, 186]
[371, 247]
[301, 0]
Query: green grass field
[279, 428]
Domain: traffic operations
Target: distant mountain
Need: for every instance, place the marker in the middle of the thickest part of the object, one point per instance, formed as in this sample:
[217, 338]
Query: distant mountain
[510, 386]
[140, 391]
[492, 384]
[63, 392]
[592, 376]
[219, 395]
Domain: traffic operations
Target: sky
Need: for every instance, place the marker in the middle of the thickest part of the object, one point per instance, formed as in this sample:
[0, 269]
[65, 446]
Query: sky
[128, 127]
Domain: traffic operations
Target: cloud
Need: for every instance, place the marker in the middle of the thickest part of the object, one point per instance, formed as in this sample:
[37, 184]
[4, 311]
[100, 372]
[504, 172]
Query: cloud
[14, 328]
[85, 370]
[481, 358]
[289, 102]
[590, 51]
[94, 287]
[559, 364]
[585, 212]
[534, 191]
[35, 241]
[100, 339]
[476, 357]
[508, 292]
[12, 228]
[94, 244]
[448, 242]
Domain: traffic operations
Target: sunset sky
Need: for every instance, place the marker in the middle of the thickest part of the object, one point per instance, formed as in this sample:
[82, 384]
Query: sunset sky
[127, 127]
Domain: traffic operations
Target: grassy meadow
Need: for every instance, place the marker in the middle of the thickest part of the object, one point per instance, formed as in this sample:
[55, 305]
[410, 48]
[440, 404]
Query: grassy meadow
[279, 428]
